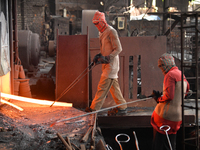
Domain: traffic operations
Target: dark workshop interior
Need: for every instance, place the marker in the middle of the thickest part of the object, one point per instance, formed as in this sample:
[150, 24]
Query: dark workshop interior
[47, 80]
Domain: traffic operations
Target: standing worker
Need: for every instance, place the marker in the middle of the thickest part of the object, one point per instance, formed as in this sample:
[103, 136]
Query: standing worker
[168, 111]
[110, 47]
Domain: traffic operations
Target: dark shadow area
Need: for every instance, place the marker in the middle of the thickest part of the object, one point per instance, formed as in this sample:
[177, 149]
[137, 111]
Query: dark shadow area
[144, 137]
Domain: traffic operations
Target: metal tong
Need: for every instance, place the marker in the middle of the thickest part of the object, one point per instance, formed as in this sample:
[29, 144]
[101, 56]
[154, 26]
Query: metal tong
[166, 128]
[119, 142]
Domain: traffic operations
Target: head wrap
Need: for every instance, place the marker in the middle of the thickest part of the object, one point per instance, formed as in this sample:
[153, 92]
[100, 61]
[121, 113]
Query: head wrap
[100, 21]
[166, 62]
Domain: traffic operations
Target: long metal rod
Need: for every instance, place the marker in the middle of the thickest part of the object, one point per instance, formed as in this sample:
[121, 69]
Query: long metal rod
[196, 102]
[182, 91]
[195, 64]
[162, 128]
[74, 82]
[104, 109]
[10, 12]
[136, 141]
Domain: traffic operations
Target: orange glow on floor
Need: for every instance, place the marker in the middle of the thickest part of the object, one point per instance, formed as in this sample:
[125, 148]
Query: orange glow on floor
[15, 106]
[36, 101]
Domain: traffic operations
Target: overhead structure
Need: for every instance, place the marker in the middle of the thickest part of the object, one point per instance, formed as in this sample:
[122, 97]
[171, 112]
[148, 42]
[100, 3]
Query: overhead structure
[195, 66]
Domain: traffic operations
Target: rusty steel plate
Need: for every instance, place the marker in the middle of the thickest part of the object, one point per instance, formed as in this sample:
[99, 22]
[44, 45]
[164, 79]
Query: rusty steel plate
[71, 61]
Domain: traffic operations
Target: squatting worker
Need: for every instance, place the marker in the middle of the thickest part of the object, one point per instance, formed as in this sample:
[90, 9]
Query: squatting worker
[168, 110]
[110, 47]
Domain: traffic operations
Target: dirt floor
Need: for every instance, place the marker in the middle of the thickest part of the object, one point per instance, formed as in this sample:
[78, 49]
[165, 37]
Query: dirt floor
[30, 129]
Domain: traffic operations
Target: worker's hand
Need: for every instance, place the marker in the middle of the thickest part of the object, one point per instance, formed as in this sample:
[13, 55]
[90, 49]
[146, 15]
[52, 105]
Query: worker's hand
[99, 59]
[156, 94]
[96, 57]
[188, 94]
[104, 60]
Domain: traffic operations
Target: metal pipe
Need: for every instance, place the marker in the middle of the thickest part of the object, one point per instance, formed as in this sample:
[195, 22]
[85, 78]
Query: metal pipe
[16, 29]
[182, 87]
[22, 14]
[165, 7]
[10, 11]
[196, 102]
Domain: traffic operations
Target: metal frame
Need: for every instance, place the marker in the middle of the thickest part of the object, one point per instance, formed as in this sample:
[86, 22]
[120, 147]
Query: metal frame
[150, 48]
[195, 62]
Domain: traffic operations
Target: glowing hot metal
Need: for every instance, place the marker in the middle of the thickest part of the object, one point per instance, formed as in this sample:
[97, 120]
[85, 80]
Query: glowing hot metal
[36, 101]
[17, 107]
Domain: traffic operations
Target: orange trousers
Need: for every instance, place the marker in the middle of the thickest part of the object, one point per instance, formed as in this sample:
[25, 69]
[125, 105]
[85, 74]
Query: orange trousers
[105, 85]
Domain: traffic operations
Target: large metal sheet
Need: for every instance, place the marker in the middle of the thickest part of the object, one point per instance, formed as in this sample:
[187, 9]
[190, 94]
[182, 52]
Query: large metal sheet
[71, 61]
[149, 48]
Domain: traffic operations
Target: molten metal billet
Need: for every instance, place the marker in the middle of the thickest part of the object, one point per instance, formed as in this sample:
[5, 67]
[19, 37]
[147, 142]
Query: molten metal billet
[17, 107]
[36, 101]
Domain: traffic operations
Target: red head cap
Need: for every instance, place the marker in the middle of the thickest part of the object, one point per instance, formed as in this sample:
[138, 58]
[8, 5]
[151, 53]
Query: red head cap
[100, 21]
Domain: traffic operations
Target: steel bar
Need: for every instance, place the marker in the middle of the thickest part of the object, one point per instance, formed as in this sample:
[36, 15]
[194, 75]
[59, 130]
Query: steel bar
[15, 106]
[92, 146]
[191, 107]
[68, 141]
[64, 142]
[182, 91]
[11, 22]
[136, 141]
[86, 136]
[75, 146]
[104, 109]
[196, 71]
[185, 27]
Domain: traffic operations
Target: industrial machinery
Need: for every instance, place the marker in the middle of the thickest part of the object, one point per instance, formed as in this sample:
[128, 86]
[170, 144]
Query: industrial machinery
[29, 48]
